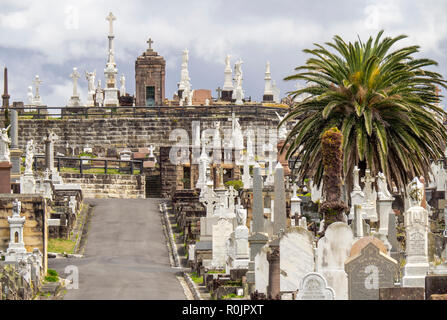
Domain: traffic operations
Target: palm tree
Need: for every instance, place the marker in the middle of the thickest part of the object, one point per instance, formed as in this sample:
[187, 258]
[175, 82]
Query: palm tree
[383, 102]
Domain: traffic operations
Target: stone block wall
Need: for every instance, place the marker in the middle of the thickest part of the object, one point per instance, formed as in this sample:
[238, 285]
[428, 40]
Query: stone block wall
[102, 186]
[109, 135]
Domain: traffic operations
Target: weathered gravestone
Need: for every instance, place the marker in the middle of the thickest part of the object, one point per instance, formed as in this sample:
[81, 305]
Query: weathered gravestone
[297, 257]
[332, 251]
[416, 267]
[262, 270]
[314, 287]
[368, 271]
[221, 232]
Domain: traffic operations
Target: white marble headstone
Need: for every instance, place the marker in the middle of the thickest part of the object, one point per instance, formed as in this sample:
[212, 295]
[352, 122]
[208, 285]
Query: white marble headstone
[332, 251]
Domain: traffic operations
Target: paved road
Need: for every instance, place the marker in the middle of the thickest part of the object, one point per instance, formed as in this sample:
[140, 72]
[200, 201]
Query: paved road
[126, 255]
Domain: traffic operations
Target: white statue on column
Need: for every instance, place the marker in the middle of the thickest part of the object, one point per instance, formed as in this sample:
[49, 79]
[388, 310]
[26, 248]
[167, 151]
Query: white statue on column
[4, 145]
[228, 81]
[99, 94]
[416, 192]
[30, 96]
[282, 131]
[384, 193]
[90, 76]
[29, 158]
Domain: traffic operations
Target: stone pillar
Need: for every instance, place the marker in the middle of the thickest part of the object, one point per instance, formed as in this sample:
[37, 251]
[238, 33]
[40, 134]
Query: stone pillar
[279, 207]
[49, 155]
[15, 152]
[273, 257]
[258, 201]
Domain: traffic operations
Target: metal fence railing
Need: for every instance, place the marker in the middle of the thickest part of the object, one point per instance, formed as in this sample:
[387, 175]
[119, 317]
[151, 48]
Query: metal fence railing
[91, 165]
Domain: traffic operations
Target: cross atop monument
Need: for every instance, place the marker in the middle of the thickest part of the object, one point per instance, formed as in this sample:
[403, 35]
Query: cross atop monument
[110, 18]
[219, 92]
[150, 42]
[75, 76]
[37, 82]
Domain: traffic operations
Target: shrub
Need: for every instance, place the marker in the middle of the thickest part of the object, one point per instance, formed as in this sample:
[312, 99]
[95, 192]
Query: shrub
[237, 184]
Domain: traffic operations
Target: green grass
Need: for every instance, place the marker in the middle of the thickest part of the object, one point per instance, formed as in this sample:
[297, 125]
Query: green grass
[231, 295]
[61, 245]
[52, 276]
[215, 271]
[196, 278]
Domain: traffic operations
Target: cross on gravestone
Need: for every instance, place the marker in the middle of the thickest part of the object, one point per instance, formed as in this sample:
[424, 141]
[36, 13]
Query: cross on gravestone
[294, 190]
[219, 93]
[368, 178]
[150, 42]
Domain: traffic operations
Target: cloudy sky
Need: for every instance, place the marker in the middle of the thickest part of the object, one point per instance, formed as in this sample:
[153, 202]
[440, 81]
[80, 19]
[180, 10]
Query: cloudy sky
[49, 37]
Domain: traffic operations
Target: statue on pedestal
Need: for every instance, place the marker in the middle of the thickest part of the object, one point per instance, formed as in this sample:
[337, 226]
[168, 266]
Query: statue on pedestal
[4, 145]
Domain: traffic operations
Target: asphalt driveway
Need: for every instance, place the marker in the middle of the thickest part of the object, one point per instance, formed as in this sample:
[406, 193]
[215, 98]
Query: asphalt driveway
[126, 255]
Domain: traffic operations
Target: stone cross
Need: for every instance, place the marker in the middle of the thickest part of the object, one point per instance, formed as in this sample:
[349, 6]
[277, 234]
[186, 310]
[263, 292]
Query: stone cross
[368, 180]
[37, 82]
[209, 198]
[150, 42]
[75, 76]
[219, 93]
[110, 18]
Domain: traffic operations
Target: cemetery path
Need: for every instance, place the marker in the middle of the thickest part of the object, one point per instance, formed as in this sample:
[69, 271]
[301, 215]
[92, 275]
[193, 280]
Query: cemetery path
[125, 256]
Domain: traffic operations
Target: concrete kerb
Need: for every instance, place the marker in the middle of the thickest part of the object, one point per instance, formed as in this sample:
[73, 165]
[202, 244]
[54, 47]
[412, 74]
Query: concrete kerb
[173, 255]
[172, 247]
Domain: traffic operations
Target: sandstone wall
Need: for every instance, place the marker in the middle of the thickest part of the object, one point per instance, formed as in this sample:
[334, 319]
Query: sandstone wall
[101, 186]
[108, 135]
[35, 231]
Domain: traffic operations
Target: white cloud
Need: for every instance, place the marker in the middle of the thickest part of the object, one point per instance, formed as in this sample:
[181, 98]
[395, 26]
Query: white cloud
[51, 37]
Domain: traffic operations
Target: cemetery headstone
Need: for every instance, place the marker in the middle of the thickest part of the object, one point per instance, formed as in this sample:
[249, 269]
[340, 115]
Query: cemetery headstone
[416, 227]
[368, 271]
[297, 257]
[314, 287]
[332, 251]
